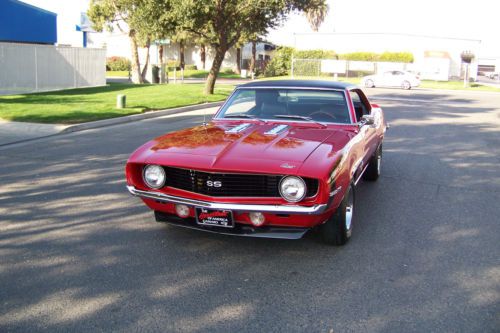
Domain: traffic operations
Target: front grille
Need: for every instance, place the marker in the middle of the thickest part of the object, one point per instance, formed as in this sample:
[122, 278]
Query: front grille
[232, 184]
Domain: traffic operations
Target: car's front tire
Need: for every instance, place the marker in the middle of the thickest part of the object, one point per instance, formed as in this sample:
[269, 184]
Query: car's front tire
[372, 171]
[406, 85]
[369, 83]
[338, 229]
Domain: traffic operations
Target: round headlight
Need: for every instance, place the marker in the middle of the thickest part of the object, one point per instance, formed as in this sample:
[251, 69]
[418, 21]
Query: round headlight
[154, 176]
[293, 188]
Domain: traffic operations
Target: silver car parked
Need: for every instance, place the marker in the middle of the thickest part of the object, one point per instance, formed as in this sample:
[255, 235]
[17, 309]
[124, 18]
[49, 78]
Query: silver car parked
[403, 79]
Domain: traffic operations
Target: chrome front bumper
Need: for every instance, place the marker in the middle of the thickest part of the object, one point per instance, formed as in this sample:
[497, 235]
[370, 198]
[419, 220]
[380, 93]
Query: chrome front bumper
[277, 209]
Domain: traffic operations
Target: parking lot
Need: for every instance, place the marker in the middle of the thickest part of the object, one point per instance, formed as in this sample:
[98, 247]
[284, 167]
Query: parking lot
[78, 253]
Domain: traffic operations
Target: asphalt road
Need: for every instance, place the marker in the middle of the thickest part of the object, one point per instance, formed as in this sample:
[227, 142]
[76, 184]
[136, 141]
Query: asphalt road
[77, 253]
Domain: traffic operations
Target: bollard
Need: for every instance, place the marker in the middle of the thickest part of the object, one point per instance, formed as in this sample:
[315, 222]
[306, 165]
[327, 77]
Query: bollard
[121, 101]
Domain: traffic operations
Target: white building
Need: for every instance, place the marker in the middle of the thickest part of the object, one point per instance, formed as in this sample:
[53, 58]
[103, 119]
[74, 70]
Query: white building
[117, 43]
[435, 57]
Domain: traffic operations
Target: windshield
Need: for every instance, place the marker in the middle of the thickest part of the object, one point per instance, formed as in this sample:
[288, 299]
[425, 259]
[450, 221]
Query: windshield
[328, 106]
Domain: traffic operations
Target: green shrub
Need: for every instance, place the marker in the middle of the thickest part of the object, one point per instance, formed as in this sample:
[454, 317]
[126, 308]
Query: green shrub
[117, 64]
[315, 54]
[173, 64]
[279, 64]
[190, 67]
[372, 56]
[227, 71]
[396, 57]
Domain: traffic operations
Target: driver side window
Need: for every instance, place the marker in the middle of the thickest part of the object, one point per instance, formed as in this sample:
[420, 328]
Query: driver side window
[361, 105]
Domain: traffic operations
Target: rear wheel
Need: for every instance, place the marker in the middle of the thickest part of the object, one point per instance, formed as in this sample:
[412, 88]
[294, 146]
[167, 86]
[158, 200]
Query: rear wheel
[406, 85]
[338, 229]
[372, 171]
[369, 84]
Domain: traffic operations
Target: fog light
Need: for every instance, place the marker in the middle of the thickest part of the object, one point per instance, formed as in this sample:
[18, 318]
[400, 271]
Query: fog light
[257, 218]
[182, 210]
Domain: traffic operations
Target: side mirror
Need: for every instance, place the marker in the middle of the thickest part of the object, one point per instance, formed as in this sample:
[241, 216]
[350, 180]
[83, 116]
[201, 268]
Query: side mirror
[367, 119]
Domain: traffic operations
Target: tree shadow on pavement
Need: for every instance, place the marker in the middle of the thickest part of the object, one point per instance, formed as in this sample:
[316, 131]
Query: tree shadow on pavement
[78, 253]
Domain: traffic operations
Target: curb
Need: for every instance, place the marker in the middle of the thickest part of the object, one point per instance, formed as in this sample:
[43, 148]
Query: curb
[117, 121]
[137, 117]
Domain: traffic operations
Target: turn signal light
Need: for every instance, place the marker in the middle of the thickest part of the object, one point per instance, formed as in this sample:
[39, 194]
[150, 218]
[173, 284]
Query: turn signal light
[182, 210]
[257, 218]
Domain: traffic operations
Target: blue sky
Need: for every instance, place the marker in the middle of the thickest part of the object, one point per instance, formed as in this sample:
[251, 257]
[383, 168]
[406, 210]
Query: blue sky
[445, 18]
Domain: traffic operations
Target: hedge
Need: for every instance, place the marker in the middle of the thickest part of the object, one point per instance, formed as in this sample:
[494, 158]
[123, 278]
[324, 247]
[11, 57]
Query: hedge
[117, 64]
[281, 61]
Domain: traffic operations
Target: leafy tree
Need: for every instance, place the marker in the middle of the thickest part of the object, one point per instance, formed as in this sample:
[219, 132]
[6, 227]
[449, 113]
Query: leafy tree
[142, 20]
[222, 23]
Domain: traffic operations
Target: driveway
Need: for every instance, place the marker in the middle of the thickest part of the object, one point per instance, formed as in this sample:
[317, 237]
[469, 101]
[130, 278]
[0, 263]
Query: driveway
[77, 253]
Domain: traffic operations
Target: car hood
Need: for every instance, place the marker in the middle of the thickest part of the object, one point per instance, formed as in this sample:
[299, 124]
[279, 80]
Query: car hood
[231, 146]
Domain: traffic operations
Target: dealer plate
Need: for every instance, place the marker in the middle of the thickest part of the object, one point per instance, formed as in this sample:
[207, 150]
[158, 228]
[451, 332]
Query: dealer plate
[218, 218]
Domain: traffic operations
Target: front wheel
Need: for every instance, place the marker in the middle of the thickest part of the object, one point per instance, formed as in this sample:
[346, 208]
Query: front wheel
[369, 84]
[406, 85]
[338, 229]
[372, 171]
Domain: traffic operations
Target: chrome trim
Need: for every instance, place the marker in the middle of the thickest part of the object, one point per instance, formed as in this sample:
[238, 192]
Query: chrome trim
[278, 209]
[337, 190]
[292, 87]
[238, 128]
[344, 91]
[361, 174]
[276, 129]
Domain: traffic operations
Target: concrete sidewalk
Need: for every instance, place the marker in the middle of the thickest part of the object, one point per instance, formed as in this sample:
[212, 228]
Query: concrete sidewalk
[12, 132]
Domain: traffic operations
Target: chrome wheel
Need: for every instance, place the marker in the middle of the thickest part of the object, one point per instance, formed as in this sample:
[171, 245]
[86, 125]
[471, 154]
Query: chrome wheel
[406, 85]
[379, 161]
[349, 210]
[369, 84]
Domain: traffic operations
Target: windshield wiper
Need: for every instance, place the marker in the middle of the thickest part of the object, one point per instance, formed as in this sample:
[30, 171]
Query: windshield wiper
[243, 115]
[291, 116]
[240, 115]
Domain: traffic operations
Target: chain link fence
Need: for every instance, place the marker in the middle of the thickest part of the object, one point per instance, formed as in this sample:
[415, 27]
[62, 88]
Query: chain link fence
[321, 68]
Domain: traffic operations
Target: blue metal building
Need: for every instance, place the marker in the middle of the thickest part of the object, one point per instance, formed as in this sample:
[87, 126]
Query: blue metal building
[23, 23]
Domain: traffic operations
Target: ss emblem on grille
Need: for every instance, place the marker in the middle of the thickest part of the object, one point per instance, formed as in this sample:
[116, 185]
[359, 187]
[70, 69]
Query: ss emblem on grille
[214, 183]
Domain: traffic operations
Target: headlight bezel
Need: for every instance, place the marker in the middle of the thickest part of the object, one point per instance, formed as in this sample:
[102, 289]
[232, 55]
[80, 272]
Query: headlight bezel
[144, 178]
[301, 181]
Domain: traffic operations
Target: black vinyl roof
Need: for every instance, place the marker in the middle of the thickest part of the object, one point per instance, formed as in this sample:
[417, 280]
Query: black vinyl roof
[298, 84]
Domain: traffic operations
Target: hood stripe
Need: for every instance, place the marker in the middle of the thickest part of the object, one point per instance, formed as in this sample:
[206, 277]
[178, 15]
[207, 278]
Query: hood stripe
[238, 128]
[276, 130]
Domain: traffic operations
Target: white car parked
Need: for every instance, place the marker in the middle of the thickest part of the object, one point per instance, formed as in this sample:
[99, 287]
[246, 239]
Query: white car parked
[403, 79]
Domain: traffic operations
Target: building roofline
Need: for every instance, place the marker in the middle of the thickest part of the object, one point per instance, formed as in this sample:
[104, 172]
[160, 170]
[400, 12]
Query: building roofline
[33, 7]
[385, 33]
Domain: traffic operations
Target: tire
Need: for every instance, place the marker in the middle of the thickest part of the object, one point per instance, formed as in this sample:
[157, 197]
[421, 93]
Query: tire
[406, 85]
[338, 229]
[372, 171]
[369, 84]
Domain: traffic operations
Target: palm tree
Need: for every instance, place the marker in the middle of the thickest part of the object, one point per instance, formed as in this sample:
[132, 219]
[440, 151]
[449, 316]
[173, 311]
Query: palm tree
[316, 14]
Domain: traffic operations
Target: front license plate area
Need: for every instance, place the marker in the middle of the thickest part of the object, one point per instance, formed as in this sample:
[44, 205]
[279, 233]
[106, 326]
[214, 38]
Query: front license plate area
[216, 218]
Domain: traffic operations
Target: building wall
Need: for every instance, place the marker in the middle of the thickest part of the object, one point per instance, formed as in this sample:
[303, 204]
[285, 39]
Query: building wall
[377, 42]
[28, 68]
[23, 23]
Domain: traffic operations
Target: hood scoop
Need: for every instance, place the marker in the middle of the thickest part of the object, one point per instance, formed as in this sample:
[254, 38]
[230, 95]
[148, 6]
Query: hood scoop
[276, 130]
[238, 129]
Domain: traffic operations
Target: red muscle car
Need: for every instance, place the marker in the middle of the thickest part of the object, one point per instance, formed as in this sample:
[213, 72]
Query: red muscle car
[279, 158]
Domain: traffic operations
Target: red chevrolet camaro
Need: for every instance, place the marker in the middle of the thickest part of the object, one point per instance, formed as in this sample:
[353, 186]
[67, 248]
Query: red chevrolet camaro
[279, 158]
